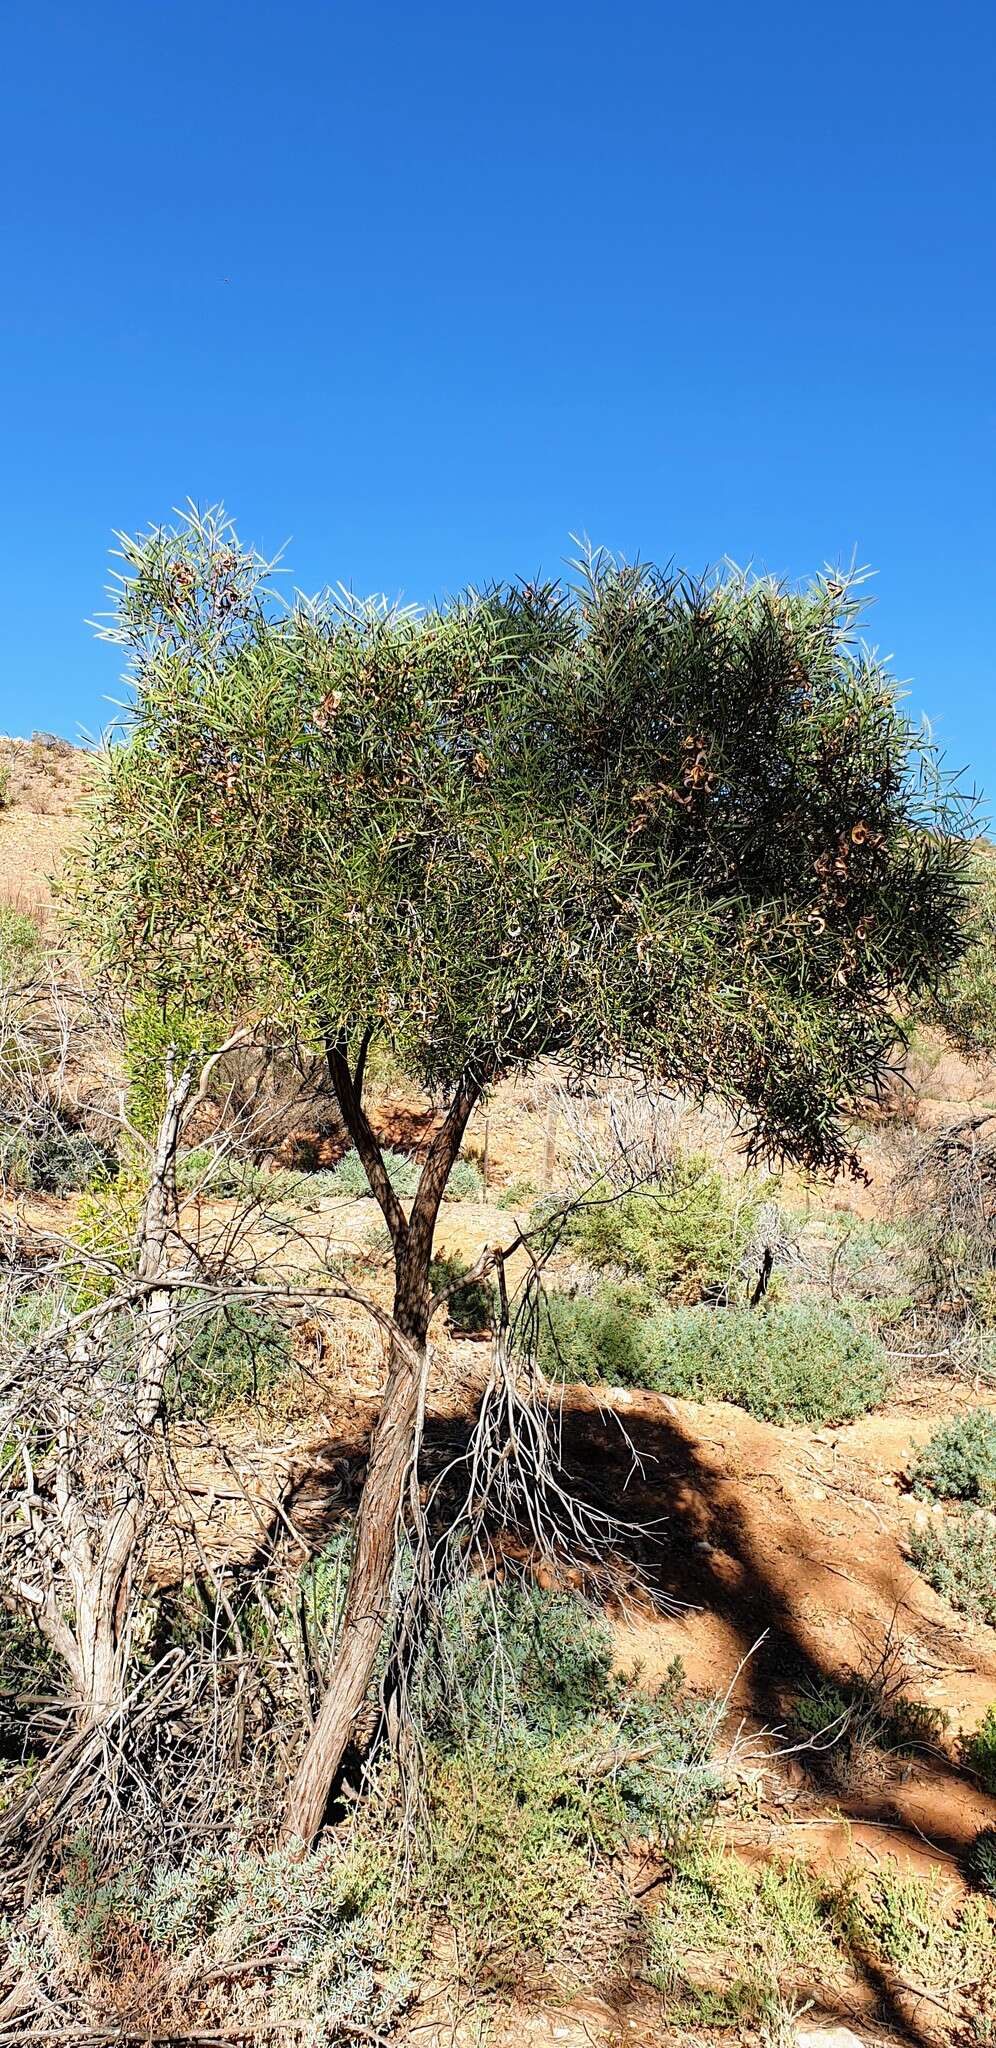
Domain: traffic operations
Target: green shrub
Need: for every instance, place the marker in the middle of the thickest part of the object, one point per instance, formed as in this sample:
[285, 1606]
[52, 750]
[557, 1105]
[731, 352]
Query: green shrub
[518, 1194]
[5, 784]
[471, 1309]
[151, 1032]
[349, 1176]
[466, 1182]
[587, 1338]
[979, 1751]
[53, 1157]
[783, 1364]
[237, 1353]
[20, 944]
[859, 1713]
[959, 1462]
[980, 1862]
[788, 1363]
[90, 1904]
[514, 1656]
[686, 1238]
[222, 1176]
[959, 1561]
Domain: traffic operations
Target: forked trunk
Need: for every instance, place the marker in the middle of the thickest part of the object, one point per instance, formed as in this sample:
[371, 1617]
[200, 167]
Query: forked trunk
[368, 1594]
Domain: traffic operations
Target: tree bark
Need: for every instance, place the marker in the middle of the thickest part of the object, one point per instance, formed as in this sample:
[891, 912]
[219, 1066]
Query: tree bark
[368, 1595]
[394, 1446]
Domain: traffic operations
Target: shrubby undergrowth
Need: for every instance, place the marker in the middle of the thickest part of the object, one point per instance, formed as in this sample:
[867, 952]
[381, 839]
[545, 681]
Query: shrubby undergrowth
[788, 1363]
[958, 1559]
[959, 1462]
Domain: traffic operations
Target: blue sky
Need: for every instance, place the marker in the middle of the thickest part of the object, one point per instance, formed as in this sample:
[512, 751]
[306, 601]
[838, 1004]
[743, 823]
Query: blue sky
[423, 289]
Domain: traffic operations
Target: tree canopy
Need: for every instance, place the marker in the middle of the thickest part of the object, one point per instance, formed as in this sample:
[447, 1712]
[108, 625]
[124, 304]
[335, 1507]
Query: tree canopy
[640, 817]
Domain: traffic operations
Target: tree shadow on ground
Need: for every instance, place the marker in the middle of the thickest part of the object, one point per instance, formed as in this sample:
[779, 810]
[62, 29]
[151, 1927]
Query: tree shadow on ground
[687, 1542]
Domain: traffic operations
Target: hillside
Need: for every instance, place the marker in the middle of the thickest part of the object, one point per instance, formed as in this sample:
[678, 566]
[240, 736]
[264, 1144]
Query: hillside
[772, 1557]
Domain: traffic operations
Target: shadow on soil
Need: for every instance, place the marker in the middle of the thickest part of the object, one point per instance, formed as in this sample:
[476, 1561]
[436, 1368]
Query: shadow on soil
[682, 1538]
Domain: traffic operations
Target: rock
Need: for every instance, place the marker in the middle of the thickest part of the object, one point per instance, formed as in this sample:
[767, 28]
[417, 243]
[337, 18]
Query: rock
[829, 2037]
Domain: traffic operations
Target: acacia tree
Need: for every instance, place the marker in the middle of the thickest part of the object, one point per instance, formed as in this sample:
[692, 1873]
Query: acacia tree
[641, 820]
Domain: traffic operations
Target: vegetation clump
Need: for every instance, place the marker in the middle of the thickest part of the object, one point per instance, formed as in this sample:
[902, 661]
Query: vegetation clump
[980, 1861]
[47, 1154]
[979, 1751]
[787, 1363]
[959, 1561]
[349, 1177]
[237, 1353]
[471, 1305]
[959, 1462]
[686, 1237]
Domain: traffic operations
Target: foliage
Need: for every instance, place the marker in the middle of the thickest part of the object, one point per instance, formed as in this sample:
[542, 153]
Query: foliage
[959, 1462]
[236, 1353]
[648, 816]
[749, 1926]
[863, 1717]
[471, 1309]
[519, 1194]
[104, 1231]
[153, 1029]
[91, 1904]
[686, 1237]
[20, 944]
[602, 1336]
[787, 1363]
[49, 1155]
[222, 1175]
[979, 1751]
[944, 1184]
[6, 780]
[959, 1561]
[349, 1177]
[514, 1656]
[466, 1182]
[980, 1861]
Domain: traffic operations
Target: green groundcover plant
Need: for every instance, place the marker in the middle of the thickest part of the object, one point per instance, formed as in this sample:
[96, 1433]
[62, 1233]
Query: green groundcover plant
[787, 1363]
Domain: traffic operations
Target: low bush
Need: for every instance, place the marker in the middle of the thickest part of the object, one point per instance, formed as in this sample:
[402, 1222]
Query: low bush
[686, 1237]
[237, 1353]
[466, 1182]
[959, 1462]
[979, 1751]
[788, 1363]
[20, 945]
[980, 1862]
[602, 1336]
[224, 1176]
[51, 1156]
[471, 1309]
[747, 1929]
[349, 1178]
[519, 1194]
[855, 1725]
[959, 1561]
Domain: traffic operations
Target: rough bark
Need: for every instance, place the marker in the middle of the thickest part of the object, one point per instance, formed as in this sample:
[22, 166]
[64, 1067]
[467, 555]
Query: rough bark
[394, 1446]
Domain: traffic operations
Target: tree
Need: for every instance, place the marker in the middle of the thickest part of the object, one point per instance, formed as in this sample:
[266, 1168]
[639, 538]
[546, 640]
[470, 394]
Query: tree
[643, 820]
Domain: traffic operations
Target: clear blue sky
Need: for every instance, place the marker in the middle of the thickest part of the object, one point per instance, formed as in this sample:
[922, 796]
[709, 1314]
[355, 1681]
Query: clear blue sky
[425, 288]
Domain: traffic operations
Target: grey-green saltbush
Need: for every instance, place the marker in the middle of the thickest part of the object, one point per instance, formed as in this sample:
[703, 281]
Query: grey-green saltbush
[792, 1363]
[959, 1462]
[349, 1177]
[959, 1561]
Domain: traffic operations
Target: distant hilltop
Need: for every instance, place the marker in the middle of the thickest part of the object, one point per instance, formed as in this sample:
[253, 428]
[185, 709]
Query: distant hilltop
[42, 783]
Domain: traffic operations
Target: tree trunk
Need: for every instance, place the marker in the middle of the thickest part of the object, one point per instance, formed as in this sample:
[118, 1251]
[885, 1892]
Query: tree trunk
[368, 1595]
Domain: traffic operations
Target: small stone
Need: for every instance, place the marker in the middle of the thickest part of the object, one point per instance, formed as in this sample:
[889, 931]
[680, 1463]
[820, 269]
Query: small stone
[829, 2037]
